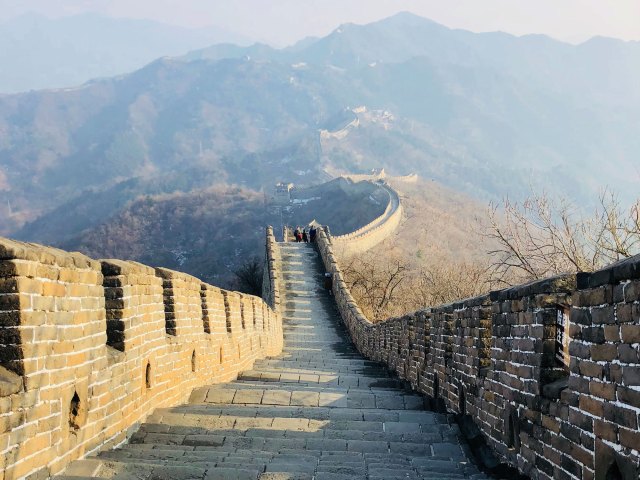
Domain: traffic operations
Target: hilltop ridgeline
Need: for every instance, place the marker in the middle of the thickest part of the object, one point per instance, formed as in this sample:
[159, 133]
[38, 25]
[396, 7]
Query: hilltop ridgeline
[488, 114]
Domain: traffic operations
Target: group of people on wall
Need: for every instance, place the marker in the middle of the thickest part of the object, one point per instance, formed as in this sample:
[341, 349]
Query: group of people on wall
[304, 235]
[309, 236]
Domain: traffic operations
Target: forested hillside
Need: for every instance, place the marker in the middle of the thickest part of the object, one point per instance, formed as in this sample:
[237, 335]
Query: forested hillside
[212, 232]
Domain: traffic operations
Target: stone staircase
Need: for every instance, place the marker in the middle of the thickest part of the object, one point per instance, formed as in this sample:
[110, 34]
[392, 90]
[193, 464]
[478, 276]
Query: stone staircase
[318, 411]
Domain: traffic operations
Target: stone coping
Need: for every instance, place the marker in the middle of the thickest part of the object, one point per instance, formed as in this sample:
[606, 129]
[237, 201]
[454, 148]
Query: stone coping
[15, 250]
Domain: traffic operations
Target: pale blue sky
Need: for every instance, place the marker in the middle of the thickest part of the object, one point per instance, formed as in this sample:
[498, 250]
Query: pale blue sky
[284, 21]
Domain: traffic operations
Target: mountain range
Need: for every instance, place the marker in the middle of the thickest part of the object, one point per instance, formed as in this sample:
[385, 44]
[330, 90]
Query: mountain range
[488, 115]
[39, 52]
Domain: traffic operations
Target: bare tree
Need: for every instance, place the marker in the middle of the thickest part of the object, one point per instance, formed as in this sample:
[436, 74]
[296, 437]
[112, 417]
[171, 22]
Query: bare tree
[375, 284]
[537, 238]
[446, 281]
[248, 276]
[542, 237]
[615, 232]
[388, 286]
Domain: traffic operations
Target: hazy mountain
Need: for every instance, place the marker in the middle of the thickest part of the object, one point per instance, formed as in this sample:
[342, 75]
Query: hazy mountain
[606, 69]
[222, 51]
[38, 52]
[487, 114]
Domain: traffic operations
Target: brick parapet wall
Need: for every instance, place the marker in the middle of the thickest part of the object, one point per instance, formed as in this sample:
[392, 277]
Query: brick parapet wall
[271, 274]
[89, 348]
[495, 359]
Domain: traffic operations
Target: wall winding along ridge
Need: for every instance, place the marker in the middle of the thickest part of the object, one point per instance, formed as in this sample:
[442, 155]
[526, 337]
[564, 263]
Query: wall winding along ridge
[374, 232]
[89, 348]
[494, 358]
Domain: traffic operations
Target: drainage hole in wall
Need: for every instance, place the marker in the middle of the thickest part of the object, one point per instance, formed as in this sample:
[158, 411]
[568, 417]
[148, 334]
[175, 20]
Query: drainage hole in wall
[74, 412]
[147, 375]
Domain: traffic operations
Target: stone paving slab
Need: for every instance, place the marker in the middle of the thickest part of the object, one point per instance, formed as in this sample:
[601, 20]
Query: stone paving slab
[276, 397]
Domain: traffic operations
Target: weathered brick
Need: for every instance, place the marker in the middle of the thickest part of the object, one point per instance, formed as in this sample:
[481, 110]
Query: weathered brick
[624, 313]
[12, 336]
[579, 316]
[580, 350]
[579, 384]
[630, 333]
[605, 430]
[603, 315]
[613, 372]
[606, 352]
[618, 293]
[631, 375]
[590, 369]
[632, 291]
[53, 289]
[612, 333]
[603, 390]
[544, 466]
[587, 441]
[628, 396]
[629, 438]
[571, 466]
[579, 419]
[622, 416]
[593, 334]
[595, 296]
[12, 268]
[550, 423]
[582, 456]
[628, 354]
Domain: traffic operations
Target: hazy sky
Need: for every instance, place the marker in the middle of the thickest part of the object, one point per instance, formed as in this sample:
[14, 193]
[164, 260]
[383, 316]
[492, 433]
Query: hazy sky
[285, 21]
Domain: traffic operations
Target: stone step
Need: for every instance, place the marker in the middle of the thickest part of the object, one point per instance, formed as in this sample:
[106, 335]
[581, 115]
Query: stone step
[366, 462]
[440, 440]
[320, 359]
[315, 396]
[193, 417]
[364, 453]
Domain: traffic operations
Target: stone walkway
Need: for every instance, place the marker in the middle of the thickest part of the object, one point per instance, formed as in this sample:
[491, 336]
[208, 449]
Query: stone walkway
[318, 411]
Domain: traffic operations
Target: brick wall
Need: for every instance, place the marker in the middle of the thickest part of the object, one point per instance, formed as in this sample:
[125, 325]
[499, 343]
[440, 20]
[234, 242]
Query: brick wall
[89, 348]
[553, 409]
[374, 232]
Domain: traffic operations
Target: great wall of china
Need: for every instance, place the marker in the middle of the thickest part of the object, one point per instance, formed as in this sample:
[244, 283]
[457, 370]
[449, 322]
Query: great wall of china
[374, 232]
[548, 373]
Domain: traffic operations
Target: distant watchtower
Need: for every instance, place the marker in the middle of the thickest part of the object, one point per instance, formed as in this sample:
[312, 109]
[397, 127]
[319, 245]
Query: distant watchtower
[282, 195]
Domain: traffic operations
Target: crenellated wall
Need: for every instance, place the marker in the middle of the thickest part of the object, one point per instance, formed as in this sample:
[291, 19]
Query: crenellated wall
[549, 372]
[89, 348]
[374, 232]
